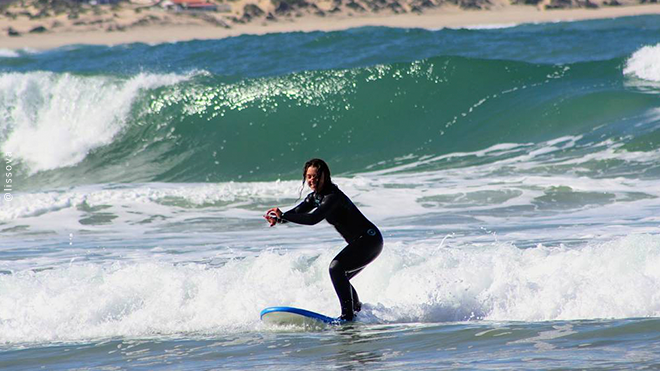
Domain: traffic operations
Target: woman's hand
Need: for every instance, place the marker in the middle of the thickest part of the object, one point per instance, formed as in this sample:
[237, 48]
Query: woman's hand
[273, 216]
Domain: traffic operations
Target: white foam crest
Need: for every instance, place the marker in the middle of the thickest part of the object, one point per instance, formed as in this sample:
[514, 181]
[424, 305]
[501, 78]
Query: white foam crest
[407, 194]
[235, 198]
[34, 204]
[85, 301]
[53, 120]
[644, 63]
[500, 149]
[416, 282]
[524, 157]
[617, 279]
[9, 53]
[490, 26]
[608, 150]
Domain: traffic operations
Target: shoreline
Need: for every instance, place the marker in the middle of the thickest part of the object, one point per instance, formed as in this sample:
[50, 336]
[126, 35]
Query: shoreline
[443, 17]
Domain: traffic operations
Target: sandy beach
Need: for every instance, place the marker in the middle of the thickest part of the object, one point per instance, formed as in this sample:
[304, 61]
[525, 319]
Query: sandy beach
[191, 28]
[158, 26]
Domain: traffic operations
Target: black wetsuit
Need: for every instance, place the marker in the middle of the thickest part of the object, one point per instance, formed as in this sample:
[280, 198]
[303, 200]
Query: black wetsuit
[364, 240]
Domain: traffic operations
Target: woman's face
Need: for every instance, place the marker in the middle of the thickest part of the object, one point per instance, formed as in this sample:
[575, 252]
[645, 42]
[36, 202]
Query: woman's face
[313, 179]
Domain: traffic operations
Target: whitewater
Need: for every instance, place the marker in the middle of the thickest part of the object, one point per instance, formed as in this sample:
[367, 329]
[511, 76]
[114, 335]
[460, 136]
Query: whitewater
[513, 172]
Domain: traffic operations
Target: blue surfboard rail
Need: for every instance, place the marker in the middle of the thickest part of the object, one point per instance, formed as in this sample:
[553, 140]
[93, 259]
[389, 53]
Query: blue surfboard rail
[302, 312]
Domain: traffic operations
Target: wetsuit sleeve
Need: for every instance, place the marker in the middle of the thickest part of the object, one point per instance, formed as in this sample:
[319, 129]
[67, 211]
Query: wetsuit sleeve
[326, 207]
[304, 207]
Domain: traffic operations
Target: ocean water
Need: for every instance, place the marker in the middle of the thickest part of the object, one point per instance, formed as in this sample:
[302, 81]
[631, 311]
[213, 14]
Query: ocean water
[513, 170]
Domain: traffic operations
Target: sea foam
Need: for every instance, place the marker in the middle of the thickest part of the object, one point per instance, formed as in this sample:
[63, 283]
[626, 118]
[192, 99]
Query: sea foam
[9, 53]
[53, 120]
[410, 282]
[644, 63]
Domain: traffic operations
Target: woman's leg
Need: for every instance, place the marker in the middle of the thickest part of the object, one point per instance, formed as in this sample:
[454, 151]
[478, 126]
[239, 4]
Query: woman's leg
[357, 304]
[349, 262]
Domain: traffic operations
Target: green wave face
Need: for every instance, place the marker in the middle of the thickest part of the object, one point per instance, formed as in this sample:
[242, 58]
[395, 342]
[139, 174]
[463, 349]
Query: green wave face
[208, 128]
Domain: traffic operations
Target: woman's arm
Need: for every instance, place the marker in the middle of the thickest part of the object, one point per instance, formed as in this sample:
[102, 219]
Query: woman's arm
[304, 207]
[328, 204]
[274, 215]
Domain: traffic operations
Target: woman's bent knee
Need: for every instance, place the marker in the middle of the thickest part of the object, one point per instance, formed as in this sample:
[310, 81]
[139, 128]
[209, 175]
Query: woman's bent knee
[335, 268]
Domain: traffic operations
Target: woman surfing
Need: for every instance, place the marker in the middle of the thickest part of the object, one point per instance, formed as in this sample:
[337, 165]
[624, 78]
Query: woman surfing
[328, 202]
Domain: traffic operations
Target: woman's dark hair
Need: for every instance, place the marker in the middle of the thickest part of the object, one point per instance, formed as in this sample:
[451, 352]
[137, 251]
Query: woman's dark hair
[323, 172]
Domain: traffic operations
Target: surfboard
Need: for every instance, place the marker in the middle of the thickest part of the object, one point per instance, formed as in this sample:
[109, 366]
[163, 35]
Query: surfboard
[296, 316]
